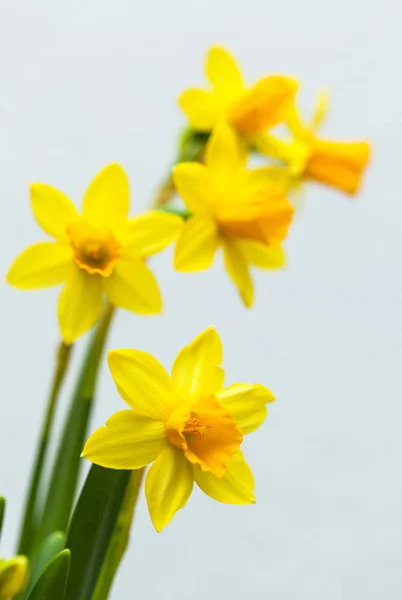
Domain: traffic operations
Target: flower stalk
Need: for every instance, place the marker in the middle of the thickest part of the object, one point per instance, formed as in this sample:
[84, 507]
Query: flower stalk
[63, 484]
[30, 518]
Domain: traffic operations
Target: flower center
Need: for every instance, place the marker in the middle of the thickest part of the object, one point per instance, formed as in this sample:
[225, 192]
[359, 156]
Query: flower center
[207, 433]
[96, 251]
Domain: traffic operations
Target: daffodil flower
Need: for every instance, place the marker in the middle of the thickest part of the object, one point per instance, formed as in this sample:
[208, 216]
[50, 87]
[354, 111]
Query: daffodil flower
[188, 425]
[13, 575]
[243, 211]
[100, 253]
[311, 158]
[246, 109]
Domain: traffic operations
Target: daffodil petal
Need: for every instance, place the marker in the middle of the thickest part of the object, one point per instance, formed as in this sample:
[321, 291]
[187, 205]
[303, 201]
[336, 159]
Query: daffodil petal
[196, 371]
[266, 104]
[196, 245]
[143, 383]
[225, 157]
[222, 70]
[53, 210]
[320, 110]
[261, 256]
[168, 486]
[107, 199]
[237, 268]
[80, 304]
[127, 441]
[133, 286]
[41, 265]
[203, 109]
[247, 403]
[149, 233]
[13, 575]
[192, 183]
[235, 487]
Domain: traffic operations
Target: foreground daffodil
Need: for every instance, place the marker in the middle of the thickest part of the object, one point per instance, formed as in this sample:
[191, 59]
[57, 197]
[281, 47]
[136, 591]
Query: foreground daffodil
[309, 157]
[243, 211]
[13, 576]
[98, 253]
[188, 424]
[247, 109]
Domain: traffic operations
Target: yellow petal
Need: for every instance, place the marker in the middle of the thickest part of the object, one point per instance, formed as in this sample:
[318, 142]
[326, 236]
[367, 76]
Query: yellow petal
[225, 158]
[127, 441]
[261, 212]
[237, 268]
[321, 110]
[192, 183]
[41, 265]
[13, 575]
[203, 109]
[196, 371]
[265, 105]
[235, 487]
[143, 383]
[196, 245]
[149, 233]
[133, 286]
[168, 486]
[52, 209]
[247, 403]
[222, 70]
[107, 199]
[264, 257]
[80, 304]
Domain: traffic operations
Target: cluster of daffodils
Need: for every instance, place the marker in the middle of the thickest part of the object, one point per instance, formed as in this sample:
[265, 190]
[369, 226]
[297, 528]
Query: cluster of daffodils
[187, 425]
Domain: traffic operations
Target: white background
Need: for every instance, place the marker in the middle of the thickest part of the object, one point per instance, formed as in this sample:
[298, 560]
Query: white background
[88, 82]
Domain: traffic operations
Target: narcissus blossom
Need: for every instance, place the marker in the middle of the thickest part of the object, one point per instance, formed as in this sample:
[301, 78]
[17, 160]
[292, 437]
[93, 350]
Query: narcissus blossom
[188, 425]
[311, 158]
[13, 576]
[240, 210]
[247, 109]
[96, 254]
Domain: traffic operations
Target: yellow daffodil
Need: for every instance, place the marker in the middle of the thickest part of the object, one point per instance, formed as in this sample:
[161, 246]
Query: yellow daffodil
[98, 253]
[247, 109]
[309, 157]
[13, 576]
[243, 211]
[188, 425]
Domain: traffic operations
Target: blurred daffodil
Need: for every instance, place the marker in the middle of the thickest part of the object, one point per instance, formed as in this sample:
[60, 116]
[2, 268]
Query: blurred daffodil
[98, 253]
[188, 425]
[13, 576]
[243, 211]
[309, 157]
[247, 109]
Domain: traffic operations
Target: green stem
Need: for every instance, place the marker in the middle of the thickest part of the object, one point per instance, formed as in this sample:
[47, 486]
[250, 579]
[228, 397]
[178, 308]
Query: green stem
[29, 523]
[191, 148]
[63, 483]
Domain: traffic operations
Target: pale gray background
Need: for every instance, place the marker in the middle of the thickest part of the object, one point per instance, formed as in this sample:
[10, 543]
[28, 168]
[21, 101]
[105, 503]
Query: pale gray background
[87, 82]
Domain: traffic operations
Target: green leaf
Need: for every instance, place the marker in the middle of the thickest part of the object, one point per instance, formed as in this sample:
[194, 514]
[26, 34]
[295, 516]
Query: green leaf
[2, 511]
[63, 484]
[50, 548]
[120, 538]
[92, 527]
[52, 584]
